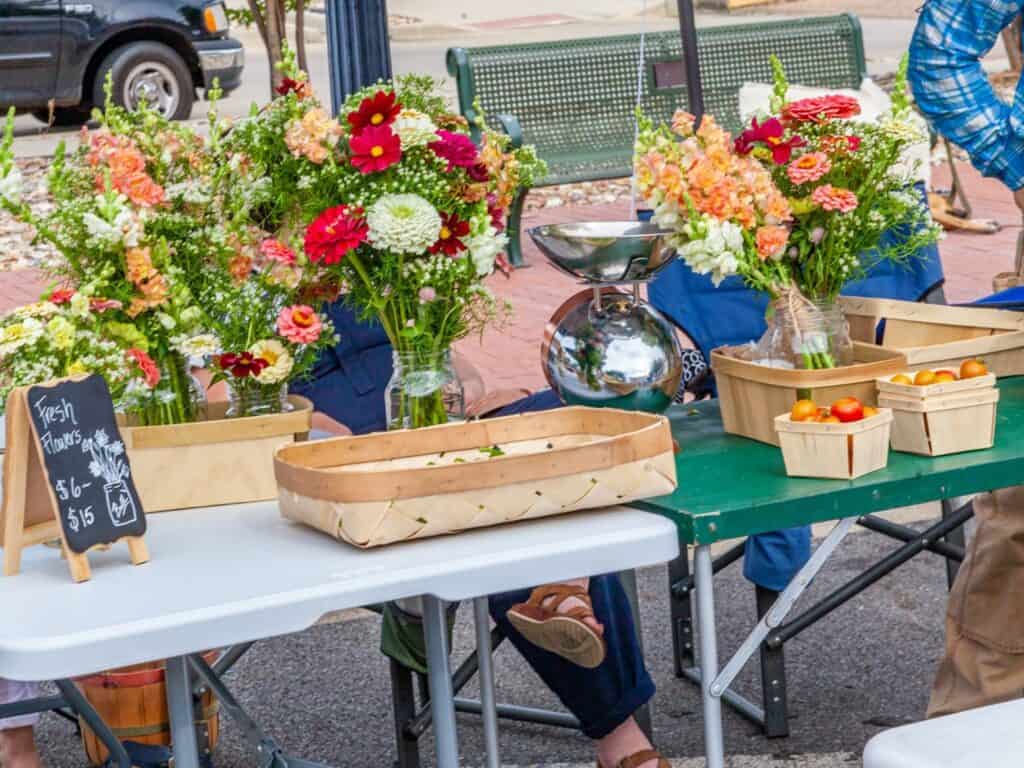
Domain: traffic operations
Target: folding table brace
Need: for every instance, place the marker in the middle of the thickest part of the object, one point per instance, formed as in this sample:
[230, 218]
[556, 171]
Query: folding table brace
[945, 538]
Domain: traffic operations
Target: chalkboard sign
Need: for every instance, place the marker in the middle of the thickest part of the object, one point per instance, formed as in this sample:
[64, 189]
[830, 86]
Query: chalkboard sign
[86, 462]
[67, 475]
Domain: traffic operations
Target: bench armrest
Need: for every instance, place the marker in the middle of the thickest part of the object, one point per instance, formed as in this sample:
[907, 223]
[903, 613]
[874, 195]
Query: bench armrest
[510, 125]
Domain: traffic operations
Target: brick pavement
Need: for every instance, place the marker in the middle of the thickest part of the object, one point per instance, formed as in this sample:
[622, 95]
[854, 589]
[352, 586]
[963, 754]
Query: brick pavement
[510, 356]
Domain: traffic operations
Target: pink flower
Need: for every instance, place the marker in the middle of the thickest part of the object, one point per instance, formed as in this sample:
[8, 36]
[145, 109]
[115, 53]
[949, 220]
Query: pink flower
[809, 167]
[149, 370]
[457, 148]
[300, 324]
[427, 294]
[102, 305]
[821, 108]
[377, 148]
[834, 198]
[277, 251]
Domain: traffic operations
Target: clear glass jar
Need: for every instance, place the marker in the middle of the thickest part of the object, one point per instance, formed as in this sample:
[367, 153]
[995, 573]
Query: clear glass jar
[814, 334]
[247, 397]
[179, 397]
[424, 390]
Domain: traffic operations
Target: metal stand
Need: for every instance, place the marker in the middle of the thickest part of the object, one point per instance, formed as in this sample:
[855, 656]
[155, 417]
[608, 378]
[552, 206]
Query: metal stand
[442, 704]
[77, 701]
[487, 699]
[269, 754]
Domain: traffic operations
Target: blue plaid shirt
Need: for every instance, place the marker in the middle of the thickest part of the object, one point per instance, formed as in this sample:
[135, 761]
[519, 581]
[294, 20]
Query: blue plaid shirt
[951, 88]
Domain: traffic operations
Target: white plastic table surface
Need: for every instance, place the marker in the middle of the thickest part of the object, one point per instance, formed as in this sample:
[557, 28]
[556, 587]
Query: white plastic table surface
[988, 737]
[226, 575]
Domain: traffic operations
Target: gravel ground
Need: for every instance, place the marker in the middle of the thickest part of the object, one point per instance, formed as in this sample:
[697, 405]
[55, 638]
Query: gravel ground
[324, 694]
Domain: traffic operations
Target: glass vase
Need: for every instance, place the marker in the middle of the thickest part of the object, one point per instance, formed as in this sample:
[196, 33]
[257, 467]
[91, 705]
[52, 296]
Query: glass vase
[247, 397]
[424, 390]
[813, 334]
[179, 397]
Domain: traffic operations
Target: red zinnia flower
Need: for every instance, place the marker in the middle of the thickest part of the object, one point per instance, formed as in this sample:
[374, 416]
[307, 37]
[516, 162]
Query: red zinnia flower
[820, 109]
[287, 86]
[457, 148]
[62, 295]
[149, 369]
[479, 173]
[375, 149]
[242, 364]
[334, 233]
[449, 240]
[768, 134]
[375, 111]
[853, 142]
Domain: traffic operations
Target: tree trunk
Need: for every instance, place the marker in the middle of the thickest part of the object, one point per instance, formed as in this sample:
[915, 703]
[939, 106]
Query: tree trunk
[1012, 42]
[300, 35]
[274, 21]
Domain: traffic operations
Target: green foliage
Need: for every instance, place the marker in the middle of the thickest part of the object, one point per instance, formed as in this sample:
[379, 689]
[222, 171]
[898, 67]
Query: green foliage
[780, 85]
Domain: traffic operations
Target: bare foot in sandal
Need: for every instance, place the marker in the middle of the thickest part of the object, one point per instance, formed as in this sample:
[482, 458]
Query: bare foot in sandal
[560, 619]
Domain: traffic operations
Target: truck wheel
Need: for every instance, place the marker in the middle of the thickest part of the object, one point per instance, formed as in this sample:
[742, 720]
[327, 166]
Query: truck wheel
[150, 72]
[64, 116]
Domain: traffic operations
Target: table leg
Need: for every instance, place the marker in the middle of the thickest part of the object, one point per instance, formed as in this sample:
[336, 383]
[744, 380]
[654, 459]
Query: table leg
[488, 704]
[182, 715]
[442, 697]
[77, 701]
[714, 746]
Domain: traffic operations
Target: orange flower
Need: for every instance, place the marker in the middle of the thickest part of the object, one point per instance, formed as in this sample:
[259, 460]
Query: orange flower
[138, 264]
[240, 267]
[771, 242]
[124, 162]
[140, 189]
[683, 122]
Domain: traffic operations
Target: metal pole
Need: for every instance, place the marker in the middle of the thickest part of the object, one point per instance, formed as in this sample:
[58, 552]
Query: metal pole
[714, 743]
[691, 59]
[182, 715]
[486, 677]
[435, 628]
[358, 49]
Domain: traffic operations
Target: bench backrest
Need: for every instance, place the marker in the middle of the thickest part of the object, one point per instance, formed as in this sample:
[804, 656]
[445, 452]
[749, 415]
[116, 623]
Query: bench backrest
[574, 98]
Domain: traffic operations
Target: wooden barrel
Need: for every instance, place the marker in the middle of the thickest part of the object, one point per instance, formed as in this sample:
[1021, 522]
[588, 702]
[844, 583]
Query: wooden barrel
[133, 702]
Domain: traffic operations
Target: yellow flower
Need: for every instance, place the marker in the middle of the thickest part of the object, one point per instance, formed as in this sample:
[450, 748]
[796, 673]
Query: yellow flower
[76, 368]
[80, 305]
[279, 361]
[17, 335]
[39, 309]
[62, 333]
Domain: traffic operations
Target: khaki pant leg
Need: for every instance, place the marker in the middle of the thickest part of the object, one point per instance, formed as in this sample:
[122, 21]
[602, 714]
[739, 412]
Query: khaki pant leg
[984, 653]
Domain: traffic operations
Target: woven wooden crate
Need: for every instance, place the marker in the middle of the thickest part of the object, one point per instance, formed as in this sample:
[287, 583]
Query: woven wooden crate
[212, 462]
[385, 487]
[940, 419]
[751, 395]
[836, 451]
[937, 336]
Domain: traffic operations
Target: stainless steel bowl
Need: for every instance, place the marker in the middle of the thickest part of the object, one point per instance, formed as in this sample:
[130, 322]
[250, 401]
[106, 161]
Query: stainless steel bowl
[621, 354]
[605, 252]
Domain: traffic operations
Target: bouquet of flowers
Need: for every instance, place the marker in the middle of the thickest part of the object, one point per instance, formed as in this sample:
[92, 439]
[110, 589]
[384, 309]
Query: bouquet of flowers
[398, 207]
[61, 335]
[135, 232]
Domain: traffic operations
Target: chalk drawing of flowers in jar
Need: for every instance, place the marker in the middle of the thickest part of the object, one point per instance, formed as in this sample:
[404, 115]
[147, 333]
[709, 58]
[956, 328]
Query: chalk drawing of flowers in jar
[109, 463]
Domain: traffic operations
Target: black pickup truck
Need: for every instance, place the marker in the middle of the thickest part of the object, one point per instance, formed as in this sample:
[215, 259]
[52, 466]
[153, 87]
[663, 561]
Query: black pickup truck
[55, 55]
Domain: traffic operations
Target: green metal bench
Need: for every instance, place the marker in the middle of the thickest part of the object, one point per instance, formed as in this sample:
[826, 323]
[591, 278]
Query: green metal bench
[574, 99]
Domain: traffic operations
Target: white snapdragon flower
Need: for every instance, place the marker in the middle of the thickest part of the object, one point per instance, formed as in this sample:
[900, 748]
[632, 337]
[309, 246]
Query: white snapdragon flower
[200, 345]
[403, 224]
[414, 129]
[12, 186]
[717, 253]
[484, 249]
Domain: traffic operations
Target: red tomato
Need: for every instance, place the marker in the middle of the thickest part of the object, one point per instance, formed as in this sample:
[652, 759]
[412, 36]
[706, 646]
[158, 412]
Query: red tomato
[848, 409]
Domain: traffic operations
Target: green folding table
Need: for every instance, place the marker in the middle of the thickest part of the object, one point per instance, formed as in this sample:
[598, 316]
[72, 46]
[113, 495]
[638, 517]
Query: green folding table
[731, 487]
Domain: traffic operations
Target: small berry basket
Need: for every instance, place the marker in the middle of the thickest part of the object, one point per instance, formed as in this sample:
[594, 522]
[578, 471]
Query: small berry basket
[840, 451]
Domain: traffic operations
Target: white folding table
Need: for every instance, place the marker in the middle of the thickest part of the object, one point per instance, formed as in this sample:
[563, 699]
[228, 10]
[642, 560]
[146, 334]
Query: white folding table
[228, 575]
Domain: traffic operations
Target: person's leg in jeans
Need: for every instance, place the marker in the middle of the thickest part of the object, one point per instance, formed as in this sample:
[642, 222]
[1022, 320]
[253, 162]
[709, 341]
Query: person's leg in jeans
[17, 741]
[603, 699]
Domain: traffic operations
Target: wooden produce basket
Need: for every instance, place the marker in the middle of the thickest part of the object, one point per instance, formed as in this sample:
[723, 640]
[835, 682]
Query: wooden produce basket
[936, 336]
[837, 451]
[750, 395]
[941, 419]
[212, 462]
[395, 486]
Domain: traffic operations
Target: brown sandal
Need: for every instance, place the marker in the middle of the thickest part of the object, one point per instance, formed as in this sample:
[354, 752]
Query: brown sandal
[640, 758]
[565, 634]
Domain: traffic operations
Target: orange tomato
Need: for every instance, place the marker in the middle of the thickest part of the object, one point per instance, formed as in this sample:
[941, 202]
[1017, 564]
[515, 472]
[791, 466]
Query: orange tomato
[971, 369]
[848, 409]
[869, 411]
[924, 378]
[901, 378]
[803, 410]
[944, 377]
[831, 420]
[946, 372]
[823, 413]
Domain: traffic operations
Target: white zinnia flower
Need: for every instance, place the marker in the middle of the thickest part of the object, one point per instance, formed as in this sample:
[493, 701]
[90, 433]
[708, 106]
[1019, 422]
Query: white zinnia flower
[403, 224]
[11, 186]
[484, 249]
[279, 361]
[414, 129]
[200, 345]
